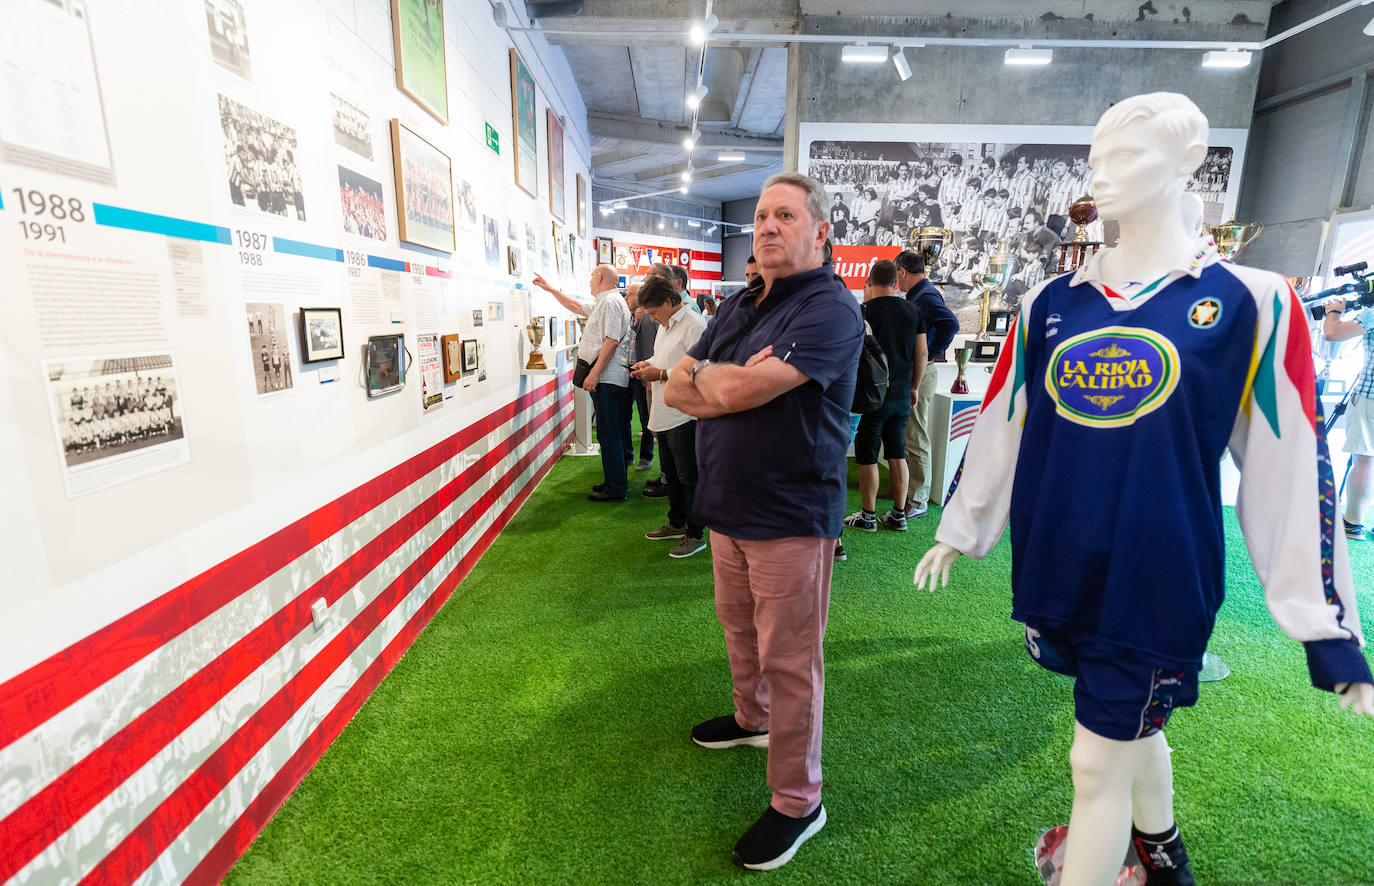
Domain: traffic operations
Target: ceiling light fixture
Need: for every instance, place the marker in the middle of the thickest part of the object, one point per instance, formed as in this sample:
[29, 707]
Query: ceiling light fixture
[661, 225]
[711, 230]
[618, 206]
[690, 141]
[682, 189]
[1369, 28]
[730, 157]
[695, 96]
[1024, 55]
[687, 174]
[1230, 58]
[699, 30]
[900, 63]
[863, 54]
[693, 223]
[746, 229]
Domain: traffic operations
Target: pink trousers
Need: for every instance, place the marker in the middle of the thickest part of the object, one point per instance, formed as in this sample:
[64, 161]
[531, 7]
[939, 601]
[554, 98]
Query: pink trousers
[772, 598]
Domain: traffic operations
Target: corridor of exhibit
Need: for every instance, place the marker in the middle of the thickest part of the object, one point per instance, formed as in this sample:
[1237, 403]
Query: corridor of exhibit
[303, 582]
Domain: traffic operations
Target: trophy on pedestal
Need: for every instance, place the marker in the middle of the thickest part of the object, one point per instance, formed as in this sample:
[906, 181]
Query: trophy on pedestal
[961, 356]
[1232, 237]
[534, 331]
[929, 244]
[993, 282]
[1075, 253]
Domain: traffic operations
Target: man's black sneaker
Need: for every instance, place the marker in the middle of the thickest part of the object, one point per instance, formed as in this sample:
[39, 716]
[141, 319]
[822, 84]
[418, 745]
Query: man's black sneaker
[725, 732]
[894, 519]
[655, 491]
[860, 520]
[840, 554]
[1164, 857]
[775, 838]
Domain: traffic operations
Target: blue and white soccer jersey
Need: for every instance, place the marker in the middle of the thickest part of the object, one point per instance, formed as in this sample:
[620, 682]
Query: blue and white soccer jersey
[1100, 441]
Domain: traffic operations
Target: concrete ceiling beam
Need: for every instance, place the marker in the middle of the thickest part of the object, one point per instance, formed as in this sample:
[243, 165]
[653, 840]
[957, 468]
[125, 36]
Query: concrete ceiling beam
[664, 133]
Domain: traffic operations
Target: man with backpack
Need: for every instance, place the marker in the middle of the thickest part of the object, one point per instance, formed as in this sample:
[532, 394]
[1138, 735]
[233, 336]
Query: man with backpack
[900, 330]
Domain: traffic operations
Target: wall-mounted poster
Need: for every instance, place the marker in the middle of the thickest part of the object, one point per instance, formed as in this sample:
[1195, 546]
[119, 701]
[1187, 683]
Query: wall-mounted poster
[581, 206]
[431, 371]
[260, 156]
[453, 357]
[417, 29]
[424, 190]
[478, 317]
[557, 183]
[321, 334]
[522, 103]
[52, 116]
[492, 240]
[228, 36]
[268, 348]
[385, 369]
[467, 202]
[352, 126]
[364, 212]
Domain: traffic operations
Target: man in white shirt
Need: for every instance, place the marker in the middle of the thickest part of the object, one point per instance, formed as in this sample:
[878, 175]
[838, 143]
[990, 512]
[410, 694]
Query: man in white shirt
[676, 430]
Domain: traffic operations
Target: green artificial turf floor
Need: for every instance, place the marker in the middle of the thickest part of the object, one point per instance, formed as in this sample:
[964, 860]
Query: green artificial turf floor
[537, 731]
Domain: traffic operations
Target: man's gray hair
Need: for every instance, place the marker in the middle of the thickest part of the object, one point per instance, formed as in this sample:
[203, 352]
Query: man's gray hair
[817, 203]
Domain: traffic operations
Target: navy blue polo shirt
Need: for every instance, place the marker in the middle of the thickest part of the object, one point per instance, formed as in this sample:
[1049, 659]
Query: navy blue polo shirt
[779, 470]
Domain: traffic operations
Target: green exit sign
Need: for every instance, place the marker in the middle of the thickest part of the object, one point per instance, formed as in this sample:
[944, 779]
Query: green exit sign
[493, 138]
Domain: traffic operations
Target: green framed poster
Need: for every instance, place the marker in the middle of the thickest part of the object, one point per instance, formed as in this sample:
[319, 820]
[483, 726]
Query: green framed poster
[557, 183]
[417, 30]
[522, 103]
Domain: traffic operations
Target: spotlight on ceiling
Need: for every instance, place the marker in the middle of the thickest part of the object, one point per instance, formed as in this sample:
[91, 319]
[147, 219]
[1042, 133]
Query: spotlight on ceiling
[699, 30]
[900, 63]
[687, 174]
[1024, 55]
[863, 54]
[1230, 58]
[690, 141]
[711, 230]
[695, 96]
[1369, 28]
[682, 190]
[693, 223]
[746, 229]
[730, 157]
[618, 205]
[661, 224]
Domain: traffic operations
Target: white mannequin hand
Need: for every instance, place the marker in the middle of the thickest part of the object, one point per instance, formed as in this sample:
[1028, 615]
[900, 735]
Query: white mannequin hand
[1359, 697]
[936, 561]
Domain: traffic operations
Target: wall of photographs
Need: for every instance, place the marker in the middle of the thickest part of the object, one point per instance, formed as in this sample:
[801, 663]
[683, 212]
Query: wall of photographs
[987, 184]
[234, 240]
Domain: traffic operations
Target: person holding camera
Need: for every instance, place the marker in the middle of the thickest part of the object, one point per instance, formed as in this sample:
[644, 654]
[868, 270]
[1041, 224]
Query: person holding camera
[1359, 429]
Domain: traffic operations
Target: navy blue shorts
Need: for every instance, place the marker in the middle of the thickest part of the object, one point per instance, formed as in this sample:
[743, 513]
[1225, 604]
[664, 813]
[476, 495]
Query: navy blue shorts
[1115, 696]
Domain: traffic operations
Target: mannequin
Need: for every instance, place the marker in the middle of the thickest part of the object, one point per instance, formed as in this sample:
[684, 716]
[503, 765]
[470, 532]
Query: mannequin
[1121, 386]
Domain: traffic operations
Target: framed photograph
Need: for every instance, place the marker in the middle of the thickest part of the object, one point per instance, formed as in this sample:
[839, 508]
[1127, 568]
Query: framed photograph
[605, 251]
[513, 266]
[452, 347]
[352, 126]
[986, 351]
[229, 36]
[268, 350]
[424, 190]
[581, 206]
[321, 334]
[999, 322]
[470, 355]
[522, 104]
[570, 331]
[478, 317]
[417, 30]
[557, 185]
[385, 360]
[491, 239]
[553, 332]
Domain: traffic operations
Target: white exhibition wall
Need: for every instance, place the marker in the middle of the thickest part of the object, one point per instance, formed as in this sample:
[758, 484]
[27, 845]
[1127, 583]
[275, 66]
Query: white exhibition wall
[178, 180]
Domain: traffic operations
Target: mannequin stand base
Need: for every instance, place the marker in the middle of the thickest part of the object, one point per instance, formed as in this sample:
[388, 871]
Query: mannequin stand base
[1213, 669]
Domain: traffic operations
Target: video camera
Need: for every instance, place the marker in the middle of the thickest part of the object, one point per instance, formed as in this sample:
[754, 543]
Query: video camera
[1362, 290]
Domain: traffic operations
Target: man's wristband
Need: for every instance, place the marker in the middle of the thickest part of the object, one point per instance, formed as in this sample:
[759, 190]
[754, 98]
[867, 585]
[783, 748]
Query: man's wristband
[1337, 313]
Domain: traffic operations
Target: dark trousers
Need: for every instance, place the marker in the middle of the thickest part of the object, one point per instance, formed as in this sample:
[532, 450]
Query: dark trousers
[641, 401]
[677, 453]
[612, 403]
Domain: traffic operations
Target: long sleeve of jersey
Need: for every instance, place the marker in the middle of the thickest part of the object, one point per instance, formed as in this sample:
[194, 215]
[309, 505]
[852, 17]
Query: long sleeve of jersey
[1287, 503]
[979, 506]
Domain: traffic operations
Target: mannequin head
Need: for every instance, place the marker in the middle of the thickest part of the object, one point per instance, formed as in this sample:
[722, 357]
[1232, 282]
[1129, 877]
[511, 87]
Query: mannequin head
[1143, 151]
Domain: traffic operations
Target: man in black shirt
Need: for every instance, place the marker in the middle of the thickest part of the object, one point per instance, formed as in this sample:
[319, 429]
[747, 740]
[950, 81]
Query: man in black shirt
[899, 328]
[941, 326]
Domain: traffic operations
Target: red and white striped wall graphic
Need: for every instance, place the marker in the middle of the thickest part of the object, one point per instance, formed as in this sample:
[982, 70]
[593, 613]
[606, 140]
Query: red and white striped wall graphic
[155, 749]
[704, 271]
[962, 421]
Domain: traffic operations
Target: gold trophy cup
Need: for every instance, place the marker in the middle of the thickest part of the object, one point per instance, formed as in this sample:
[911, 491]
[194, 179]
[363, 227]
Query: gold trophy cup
[993, 282]
[961, 356]
[1075, 253]
[930, 244]
[1232, 237]
[534, 331]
